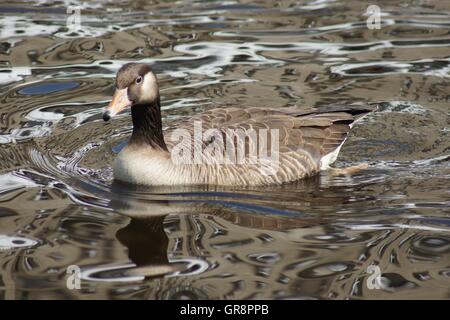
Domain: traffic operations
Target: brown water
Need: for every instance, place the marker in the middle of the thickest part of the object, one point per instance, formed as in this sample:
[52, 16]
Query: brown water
[318, 238]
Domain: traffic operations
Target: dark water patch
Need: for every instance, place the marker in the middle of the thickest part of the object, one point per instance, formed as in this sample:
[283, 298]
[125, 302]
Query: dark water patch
[48, 88]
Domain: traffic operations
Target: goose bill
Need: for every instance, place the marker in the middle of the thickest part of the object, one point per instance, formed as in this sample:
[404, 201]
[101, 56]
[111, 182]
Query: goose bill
[119, 102]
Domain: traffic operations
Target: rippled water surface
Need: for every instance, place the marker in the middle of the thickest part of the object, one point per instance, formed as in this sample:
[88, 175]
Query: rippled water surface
[318, 238]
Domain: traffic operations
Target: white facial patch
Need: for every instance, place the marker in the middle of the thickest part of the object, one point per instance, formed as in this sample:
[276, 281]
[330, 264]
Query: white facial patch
[149, 88]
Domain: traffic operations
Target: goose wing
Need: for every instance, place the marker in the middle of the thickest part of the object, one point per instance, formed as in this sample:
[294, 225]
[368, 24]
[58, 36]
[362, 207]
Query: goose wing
[316, 131]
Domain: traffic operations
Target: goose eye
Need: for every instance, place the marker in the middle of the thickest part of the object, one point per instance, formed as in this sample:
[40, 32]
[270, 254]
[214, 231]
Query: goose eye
[139, 79]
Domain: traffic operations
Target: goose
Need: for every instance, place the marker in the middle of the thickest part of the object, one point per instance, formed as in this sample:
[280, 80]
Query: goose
[230, 146]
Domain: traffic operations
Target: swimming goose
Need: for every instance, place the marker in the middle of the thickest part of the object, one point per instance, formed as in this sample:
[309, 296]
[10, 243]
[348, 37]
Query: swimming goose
[223, 146]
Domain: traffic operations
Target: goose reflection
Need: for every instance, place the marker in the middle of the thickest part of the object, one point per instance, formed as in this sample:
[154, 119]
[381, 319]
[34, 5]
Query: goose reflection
[147, 241]
[147, 245]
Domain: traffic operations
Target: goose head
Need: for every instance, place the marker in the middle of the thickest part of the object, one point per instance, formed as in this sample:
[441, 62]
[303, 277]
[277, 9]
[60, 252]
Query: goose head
[136, 86]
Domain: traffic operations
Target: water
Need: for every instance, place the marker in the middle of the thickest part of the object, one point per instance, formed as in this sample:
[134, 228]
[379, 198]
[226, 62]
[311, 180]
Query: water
[319, 238]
